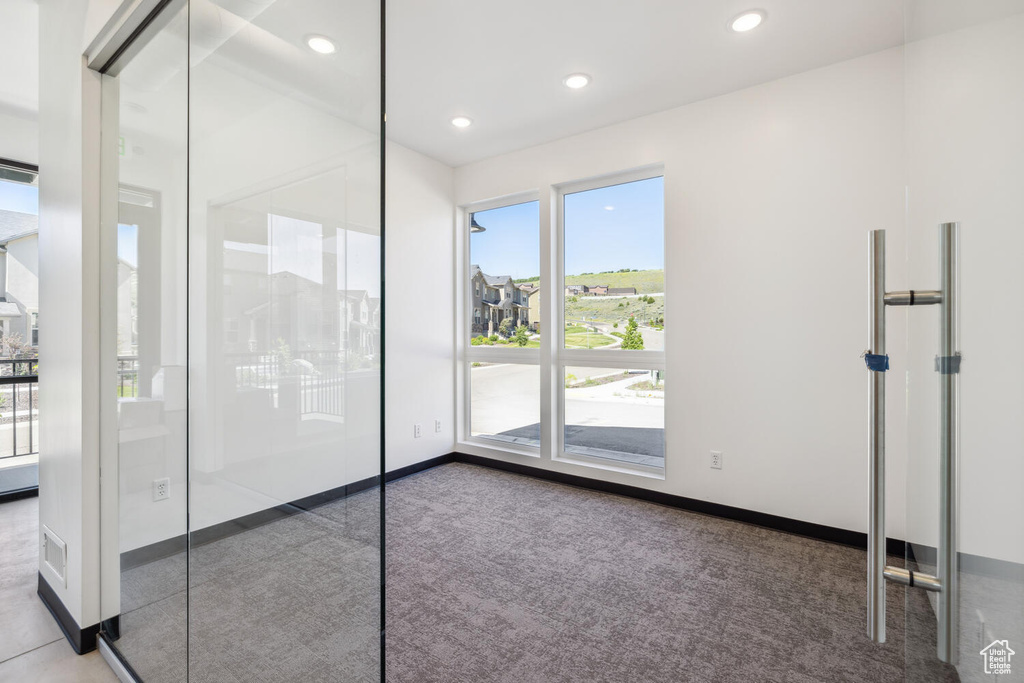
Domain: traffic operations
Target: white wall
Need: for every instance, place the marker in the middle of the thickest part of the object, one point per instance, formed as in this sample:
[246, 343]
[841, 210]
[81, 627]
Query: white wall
[769, 196]
[69, 110]
[965, 103]
[19, 138]
[419, 280]
[966, 163]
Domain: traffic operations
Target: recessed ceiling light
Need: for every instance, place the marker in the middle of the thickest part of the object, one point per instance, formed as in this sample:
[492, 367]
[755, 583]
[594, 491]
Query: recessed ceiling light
[609, 208]
[462, 122]
[576, 81]
[750, 19]
[321, 44]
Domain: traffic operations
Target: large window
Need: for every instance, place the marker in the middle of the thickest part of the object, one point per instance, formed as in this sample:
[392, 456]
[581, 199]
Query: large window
[593, 375]
[503, 326]
[612, 351]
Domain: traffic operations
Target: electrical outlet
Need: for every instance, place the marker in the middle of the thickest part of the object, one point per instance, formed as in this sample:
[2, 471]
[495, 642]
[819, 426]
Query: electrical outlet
[437, 425]
[161, 489]
[716, 460]
[417, 431]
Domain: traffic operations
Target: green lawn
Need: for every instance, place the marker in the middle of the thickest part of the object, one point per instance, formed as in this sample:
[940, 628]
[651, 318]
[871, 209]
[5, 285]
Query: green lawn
[530, 344]
[577, 337]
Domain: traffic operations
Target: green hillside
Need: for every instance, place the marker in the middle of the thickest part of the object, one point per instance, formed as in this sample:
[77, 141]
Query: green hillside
[645, 281]
[614, 309]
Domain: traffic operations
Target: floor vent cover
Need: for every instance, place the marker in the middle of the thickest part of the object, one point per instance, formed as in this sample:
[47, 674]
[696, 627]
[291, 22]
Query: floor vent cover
[55, 555]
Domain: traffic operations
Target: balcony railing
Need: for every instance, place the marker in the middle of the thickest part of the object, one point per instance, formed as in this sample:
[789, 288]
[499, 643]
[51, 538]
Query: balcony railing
[19, 410]
[127, 376]
[317, 375]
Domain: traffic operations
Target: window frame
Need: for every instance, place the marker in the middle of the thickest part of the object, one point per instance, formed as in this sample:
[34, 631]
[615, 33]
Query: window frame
[464, 320]
[613, 359]
[552, 357]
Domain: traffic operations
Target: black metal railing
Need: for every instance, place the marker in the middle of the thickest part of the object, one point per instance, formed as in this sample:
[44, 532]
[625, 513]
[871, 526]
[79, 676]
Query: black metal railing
[19, 410]
[127, 376]
[320, 376]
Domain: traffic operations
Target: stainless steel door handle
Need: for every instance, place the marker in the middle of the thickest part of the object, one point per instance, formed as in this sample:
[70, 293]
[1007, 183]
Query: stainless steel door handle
[947, 363]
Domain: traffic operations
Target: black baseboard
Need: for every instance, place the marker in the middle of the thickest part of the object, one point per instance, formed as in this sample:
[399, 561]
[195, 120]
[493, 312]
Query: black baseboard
[8, 496]
[178, 544]
[1004, 570]
[217, 532]
[420, 467]
[821, 532]
[82, 639]
[153, 552]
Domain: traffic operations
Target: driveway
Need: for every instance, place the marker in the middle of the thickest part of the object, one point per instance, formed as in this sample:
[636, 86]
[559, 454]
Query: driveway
[607, 420]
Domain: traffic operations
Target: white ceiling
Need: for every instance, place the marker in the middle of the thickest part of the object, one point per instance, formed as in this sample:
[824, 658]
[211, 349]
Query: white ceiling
[502, 63]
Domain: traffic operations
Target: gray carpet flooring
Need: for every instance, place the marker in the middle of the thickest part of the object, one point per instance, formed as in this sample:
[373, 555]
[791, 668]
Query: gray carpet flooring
[498, 577]
[495, 577]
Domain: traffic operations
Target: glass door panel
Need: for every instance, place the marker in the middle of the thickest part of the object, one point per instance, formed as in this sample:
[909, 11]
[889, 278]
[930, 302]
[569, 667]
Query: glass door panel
[150, 269]
[964, 105]
[284, 341]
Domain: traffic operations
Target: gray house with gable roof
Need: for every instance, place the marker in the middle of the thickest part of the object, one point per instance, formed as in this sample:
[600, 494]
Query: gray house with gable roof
[495, 298]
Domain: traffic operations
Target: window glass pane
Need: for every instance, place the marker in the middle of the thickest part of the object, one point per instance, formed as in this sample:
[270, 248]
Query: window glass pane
[19, 234]
[615, 414]
[504, 276]
[615, 267]
[505, 403]
[19, 195]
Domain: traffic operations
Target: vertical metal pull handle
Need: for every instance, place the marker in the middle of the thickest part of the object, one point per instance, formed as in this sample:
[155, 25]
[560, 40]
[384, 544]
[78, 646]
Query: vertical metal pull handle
[876, 497]
[948, 366]
[947, 363]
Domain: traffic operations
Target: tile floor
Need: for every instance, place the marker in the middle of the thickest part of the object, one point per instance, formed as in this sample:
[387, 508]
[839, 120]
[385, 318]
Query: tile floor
[33, 649]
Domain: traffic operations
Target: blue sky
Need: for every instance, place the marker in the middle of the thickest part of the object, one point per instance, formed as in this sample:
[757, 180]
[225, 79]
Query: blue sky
[510, 243]
[615, 227]
[128, 244]
[18, 197]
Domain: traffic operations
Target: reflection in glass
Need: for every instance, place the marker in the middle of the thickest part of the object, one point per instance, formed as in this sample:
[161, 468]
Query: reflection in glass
[964, 80]
[615, 267]
[615, 414]
[151, 357]
[505, 403]
[504, 276]
[284, 329]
